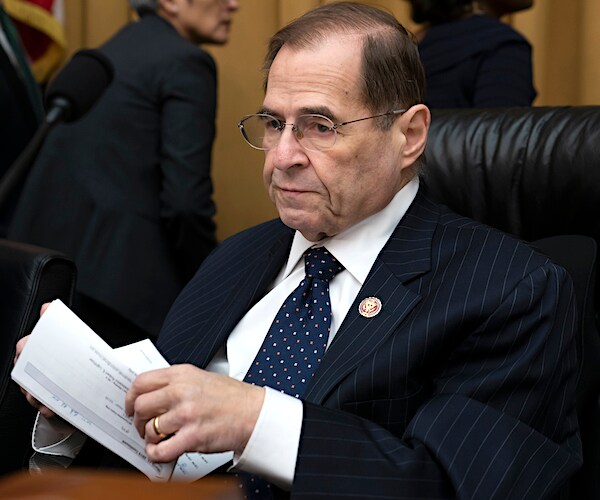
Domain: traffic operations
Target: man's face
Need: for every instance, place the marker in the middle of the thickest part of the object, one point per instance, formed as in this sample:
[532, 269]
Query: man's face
[322, 193]
[204, 21]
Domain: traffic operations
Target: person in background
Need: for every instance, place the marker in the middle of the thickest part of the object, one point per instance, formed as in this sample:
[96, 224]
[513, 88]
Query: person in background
[471, 58]
[368, 343]
[21, 109]
[127, 191]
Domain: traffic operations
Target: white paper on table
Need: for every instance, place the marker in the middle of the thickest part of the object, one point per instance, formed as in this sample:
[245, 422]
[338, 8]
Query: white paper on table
[72, 371]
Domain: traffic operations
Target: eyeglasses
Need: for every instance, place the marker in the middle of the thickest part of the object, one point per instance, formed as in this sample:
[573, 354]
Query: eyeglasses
[314, 132]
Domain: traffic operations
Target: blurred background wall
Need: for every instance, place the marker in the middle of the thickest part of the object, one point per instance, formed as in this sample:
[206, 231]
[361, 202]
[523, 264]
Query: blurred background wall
[564, 35]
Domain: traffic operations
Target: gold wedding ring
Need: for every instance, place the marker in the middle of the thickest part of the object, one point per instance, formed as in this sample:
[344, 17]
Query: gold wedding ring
[157, 429]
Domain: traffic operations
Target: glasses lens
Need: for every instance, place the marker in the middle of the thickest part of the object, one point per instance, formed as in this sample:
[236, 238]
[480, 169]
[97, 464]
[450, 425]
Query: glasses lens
[316, 132]
[261, 131]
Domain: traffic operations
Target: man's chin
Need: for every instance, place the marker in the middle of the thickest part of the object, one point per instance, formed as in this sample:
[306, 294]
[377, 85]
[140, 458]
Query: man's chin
[311, 231]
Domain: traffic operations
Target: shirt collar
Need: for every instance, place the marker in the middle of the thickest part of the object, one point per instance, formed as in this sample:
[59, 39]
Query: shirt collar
[358, 246]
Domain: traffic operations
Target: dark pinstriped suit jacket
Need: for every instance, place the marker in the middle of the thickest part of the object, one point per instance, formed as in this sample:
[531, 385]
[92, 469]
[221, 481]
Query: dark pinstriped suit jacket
[463, 385]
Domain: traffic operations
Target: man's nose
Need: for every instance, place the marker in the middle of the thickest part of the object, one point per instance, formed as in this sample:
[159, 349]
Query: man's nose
[289, 151]
[291, 133]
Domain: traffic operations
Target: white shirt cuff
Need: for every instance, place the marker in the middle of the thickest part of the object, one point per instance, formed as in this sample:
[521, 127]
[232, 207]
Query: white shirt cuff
[56, 437]
[272, 449]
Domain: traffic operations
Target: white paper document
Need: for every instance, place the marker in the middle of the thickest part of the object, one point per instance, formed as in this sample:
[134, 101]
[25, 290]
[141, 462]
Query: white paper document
[72, 371]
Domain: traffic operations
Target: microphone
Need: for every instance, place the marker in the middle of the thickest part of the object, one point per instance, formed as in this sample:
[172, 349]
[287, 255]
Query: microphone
[78, 86]
[70, 95]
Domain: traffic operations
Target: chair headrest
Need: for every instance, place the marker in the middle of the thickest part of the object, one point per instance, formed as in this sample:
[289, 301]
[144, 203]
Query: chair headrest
[533, 172]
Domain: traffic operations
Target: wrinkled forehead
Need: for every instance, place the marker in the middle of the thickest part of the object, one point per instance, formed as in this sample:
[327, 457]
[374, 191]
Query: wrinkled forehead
[328, 72]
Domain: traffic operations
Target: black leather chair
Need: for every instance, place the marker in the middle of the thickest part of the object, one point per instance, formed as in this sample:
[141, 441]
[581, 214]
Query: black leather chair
[535, 173]
[29, 277]
[532, 172]
[577, 254]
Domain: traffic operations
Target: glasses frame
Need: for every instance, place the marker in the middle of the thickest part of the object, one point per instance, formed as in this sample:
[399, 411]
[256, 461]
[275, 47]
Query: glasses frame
[298, 133]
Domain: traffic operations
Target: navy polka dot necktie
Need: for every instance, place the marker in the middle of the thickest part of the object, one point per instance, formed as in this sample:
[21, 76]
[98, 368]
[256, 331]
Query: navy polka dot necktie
[296, 341]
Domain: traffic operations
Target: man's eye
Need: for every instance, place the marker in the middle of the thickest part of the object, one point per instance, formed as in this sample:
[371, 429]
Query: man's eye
[317, 127]
[272, 124]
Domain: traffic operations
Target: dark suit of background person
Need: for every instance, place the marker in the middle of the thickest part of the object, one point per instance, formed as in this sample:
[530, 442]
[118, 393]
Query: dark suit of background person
[126, 191]
[471, 58]
[21, 108]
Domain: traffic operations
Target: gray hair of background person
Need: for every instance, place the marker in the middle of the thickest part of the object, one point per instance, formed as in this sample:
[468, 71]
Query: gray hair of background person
[392, 74]
[144, 6]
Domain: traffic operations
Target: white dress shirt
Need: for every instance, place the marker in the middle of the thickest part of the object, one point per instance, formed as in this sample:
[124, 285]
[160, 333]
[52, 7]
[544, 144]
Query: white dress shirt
[272, 449]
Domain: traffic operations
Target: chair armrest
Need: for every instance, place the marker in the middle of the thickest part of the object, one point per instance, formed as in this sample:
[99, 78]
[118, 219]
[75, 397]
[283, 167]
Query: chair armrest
[29, 277]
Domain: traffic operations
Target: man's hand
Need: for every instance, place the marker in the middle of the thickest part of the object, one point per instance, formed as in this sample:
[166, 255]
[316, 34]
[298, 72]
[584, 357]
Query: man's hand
[203, 411]
[44, 410]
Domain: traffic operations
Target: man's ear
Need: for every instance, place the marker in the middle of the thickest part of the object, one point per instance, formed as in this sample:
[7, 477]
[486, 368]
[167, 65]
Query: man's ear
[169, 7]
[415, 125]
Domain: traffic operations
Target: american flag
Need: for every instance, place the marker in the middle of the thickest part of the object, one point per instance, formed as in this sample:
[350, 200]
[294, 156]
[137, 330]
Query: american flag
[41, 27]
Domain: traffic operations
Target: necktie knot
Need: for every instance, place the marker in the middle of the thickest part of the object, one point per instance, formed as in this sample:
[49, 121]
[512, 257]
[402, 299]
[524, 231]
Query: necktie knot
[320, 264]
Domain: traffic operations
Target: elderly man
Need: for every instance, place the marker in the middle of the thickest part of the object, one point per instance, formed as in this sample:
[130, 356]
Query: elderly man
[423, 355]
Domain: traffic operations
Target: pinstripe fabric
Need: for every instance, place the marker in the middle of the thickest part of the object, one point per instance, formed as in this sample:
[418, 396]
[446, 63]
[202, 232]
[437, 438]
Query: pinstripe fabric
[463, 386]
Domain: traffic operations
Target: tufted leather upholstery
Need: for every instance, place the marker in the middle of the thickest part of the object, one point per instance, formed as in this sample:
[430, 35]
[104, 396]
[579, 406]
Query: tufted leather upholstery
[535, 173]
[29, 276]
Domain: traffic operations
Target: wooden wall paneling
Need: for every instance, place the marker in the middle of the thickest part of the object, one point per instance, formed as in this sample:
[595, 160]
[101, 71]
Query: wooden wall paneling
[553, 30]
[89, 23]
[289, 10]
[562, 67]
[237, 169]
[74, 24]
[589, 61]
[103, 18]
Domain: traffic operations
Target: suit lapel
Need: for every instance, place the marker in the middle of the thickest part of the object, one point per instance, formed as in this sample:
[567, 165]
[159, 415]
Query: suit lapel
[253, 279]
[406, 256]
